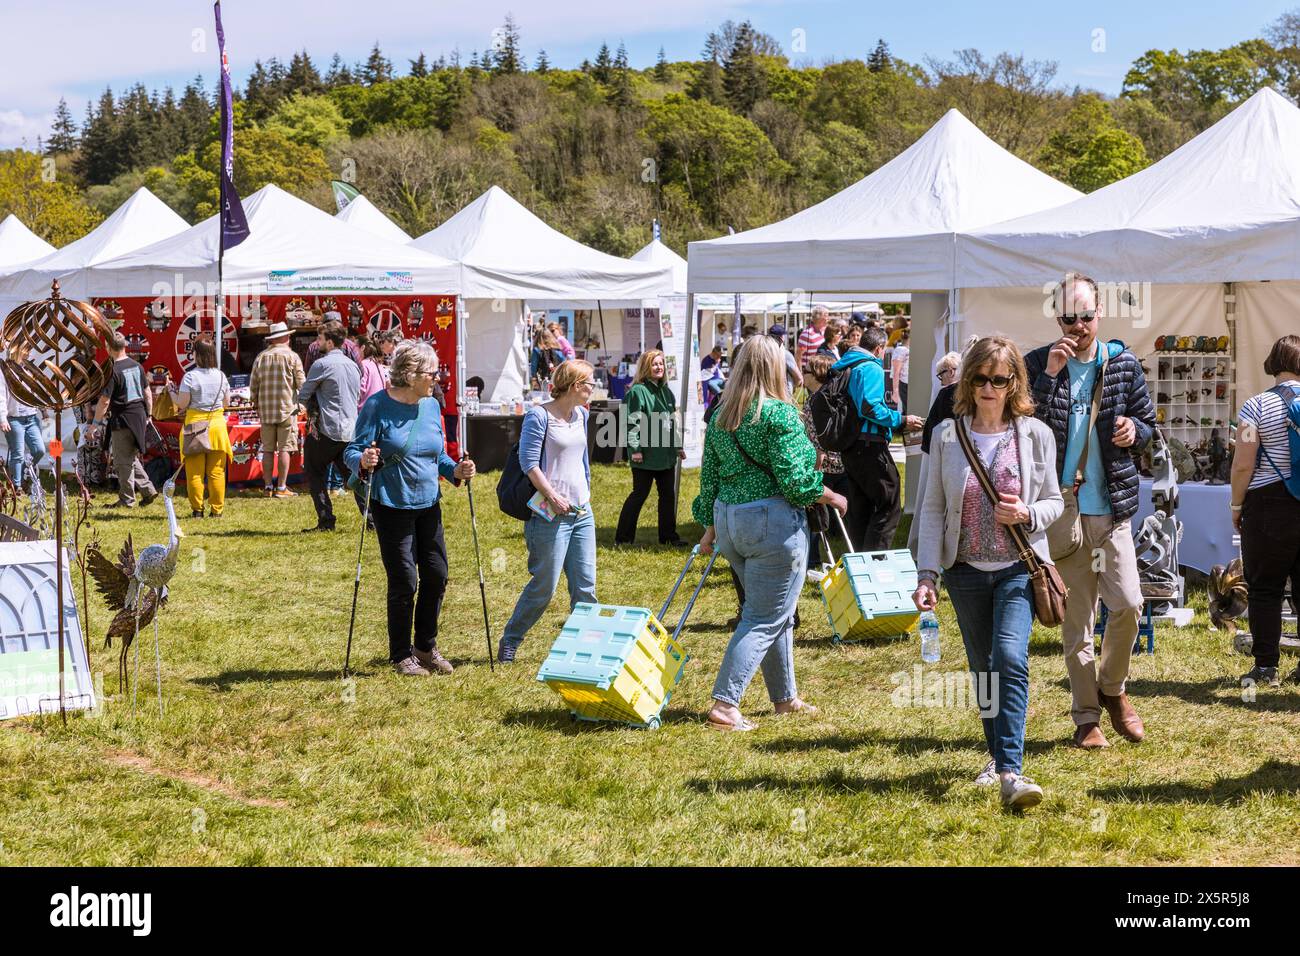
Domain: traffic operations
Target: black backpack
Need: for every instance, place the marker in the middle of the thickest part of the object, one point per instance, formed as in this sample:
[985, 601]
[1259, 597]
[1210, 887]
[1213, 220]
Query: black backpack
[836, 420]
[514, 487]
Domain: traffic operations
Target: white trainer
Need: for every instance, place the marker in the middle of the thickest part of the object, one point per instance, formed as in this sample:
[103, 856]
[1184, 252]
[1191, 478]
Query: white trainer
[1021, 793]
[989, 775]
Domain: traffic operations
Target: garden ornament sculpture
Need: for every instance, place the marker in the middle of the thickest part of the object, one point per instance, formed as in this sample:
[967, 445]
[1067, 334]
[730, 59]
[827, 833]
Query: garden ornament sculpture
[51, 347]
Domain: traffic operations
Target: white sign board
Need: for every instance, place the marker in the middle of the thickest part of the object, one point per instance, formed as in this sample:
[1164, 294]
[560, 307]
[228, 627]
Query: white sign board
[672, 323]
[326, 280]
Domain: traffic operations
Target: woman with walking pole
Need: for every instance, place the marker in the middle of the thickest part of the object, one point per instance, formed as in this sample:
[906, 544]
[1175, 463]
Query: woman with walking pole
[399, 440]
[553, 454]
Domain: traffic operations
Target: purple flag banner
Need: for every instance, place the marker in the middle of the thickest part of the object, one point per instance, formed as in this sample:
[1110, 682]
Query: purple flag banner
[234, 224]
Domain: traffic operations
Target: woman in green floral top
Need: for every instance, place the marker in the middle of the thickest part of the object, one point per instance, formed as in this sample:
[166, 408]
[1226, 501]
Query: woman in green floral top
[759, 474]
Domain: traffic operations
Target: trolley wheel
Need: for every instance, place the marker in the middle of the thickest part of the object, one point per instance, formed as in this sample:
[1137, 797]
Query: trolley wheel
[836, 639]
[1243, 642]
[573, 718]
[654, 723]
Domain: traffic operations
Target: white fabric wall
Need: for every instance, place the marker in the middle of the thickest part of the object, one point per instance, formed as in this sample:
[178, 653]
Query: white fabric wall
[494, 348]
[1018, 313]
[1266, 311]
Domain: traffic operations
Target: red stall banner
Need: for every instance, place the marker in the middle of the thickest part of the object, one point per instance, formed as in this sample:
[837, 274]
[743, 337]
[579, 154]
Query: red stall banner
[160, 332]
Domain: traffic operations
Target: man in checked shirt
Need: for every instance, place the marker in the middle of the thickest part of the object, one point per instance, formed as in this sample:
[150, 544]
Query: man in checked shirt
[277, 376]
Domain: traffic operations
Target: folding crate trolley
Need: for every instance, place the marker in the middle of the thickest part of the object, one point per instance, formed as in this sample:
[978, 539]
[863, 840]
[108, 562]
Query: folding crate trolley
[617, 663]
[868, 593]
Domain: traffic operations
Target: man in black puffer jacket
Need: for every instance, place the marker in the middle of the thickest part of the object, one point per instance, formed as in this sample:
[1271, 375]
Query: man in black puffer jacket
[1099, 465]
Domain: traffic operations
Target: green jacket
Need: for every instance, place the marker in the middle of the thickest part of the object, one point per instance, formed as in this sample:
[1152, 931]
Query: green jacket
[652, 427]
[778, 441]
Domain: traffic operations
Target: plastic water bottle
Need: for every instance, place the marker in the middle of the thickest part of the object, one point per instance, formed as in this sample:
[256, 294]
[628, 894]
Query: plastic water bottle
[929, 638]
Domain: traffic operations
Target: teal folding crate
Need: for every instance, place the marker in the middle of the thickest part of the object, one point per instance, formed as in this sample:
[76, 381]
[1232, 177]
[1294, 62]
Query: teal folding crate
[618, 663]
[869, 594]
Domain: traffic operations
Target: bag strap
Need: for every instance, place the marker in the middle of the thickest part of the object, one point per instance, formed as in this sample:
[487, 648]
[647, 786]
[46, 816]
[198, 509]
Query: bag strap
[1082, 464]
[1016, 532]
[1288, 397]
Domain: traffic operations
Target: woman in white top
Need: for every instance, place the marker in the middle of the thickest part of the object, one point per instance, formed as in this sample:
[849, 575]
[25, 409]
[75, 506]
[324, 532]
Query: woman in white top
[964, 534]
[205, 442]
[898, 370]
[1265, 513]
[553, 454]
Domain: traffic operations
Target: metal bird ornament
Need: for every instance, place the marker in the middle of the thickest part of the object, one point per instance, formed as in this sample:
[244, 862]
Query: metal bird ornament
[136, 587]
[112, 581]
[1228, 595]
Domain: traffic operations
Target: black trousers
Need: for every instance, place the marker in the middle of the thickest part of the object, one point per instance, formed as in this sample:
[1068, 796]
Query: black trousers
[415, 557]
[873, 495]
[1270, 555]
[318, 454]
[642, 478]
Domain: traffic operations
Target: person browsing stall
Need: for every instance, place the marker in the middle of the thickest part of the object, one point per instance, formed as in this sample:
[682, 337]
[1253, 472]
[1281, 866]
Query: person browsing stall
[206, 447]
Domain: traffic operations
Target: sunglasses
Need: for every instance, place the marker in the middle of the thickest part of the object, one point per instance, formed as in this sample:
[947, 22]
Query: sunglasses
[1068, 320]
[997, 381]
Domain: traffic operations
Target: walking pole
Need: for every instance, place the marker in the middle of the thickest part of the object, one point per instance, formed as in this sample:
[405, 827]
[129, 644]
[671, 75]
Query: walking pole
[478, 558]
[356, 583]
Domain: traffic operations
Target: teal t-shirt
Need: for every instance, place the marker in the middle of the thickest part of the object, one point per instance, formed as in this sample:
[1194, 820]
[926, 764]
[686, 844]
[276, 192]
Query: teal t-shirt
[1093, 497]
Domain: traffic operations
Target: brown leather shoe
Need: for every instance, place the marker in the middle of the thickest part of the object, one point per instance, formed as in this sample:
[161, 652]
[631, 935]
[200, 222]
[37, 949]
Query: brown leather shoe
[1123, 717]
[1090, 737]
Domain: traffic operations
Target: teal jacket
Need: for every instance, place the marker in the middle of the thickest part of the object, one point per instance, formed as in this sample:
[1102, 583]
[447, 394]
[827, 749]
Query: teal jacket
[867, 389]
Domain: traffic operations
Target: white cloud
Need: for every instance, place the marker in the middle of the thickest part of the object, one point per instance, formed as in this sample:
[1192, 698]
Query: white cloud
[20, 129]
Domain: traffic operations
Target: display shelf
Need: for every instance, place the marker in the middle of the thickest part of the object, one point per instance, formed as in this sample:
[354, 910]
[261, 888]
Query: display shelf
[1193, 393]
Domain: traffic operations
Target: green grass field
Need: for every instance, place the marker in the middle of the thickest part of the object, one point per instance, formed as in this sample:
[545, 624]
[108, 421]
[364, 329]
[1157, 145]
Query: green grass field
[266, 757]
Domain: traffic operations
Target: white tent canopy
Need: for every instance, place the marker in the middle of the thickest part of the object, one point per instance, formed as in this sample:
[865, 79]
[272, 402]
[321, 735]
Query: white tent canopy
[19, 245]
[141, 220]
[285, 233]
[506, 252]
[364, 214]
[1223, 207]
[893, 231]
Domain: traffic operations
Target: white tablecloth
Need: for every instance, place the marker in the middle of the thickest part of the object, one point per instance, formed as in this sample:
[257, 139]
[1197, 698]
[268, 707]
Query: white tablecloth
[1207, 523]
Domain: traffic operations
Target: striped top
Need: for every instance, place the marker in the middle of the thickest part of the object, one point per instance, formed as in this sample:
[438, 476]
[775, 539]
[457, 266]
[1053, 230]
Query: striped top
[810, 340]
[1267, 413]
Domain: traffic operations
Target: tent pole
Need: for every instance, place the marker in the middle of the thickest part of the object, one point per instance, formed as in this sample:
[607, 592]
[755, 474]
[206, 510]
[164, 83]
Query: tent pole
[686, 384]
[604, 342]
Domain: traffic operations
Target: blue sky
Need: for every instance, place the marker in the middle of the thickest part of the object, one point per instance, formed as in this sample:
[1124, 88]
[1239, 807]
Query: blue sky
[94, 43]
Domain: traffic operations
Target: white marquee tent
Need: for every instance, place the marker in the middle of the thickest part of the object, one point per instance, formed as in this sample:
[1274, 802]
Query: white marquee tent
[507, 256]
[286, 233]
[19, 245]
[364, 214]
[1224, 207]
[141, 220]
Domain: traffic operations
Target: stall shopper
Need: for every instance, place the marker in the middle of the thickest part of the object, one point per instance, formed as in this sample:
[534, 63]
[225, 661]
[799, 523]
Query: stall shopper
[1101, 559]
[202, 396]
[654, 446]
[124, 408]
[411, 455]
[758, 475]
[277, 376]
[330, 392]
[1264, 511]
[553, 454]
[374, 370]
[965, 535]
[22, 426]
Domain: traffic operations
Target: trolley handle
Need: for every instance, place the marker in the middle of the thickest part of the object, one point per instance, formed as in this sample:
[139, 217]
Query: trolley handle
[686, 612]
[843, 530]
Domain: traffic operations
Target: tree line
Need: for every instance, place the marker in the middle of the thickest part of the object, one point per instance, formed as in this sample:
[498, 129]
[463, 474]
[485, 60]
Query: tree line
[741, 137]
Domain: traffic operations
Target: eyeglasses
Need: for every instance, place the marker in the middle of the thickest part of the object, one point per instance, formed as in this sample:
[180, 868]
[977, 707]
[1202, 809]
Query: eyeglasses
[948, 373]
[997, 381]
[1086, 316]
[587, 384]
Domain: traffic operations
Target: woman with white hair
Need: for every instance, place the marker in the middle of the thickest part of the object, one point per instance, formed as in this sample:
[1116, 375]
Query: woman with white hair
[758, 475]
[399, 443]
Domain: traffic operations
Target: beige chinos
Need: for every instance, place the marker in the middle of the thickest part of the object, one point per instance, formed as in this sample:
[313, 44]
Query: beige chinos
[1104, 565]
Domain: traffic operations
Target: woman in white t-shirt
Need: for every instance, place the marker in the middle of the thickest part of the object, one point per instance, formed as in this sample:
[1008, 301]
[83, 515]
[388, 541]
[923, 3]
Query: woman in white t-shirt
[205, 442]
[553, 454]
[1265, 513]
[898, 370]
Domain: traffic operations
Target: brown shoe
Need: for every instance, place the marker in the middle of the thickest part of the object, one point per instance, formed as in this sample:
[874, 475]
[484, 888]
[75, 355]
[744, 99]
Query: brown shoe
[1089, 737]
[432, 660]
[285, 493]
[1123, 717]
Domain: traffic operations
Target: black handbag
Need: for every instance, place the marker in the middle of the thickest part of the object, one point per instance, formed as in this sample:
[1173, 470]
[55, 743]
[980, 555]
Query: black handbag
[514, 488]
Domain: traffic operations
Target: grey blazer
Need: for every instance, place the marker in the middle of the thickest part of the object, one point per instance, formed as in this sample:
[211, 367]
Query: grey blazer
[940, 517]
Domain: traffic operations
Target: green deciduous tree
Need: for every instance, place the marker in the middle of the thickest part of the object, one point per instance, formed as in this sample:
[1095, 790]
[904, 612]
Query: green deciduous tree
[54, 210]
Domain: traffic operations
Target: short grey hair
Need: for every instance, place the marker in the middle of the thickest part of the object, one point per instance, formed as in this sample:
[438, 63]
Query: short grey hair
[950, 361]
[412, 357]
[821, 310]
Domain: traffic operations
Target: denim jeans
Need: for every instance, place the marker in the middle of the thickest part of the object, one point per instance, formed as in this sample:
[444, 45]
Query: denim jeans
[566, 543]
[25, 437]
[995, 611]
[766, 543]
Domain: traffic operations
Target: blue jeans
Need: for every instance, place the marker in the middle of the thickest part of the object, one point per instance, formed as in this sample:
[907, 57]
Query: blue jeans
[766, 543]
[24, 436]
[995, 611]
[567, 544]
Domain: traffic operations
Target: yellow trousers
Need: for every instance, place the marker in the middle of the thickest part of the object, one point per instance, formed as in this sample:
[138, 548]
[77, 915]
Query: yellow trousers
[212, 466]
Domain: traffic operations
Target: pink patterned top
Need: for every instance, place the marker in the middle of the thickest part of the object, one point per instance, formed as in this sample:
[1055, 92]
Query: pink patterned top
[982, 538]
